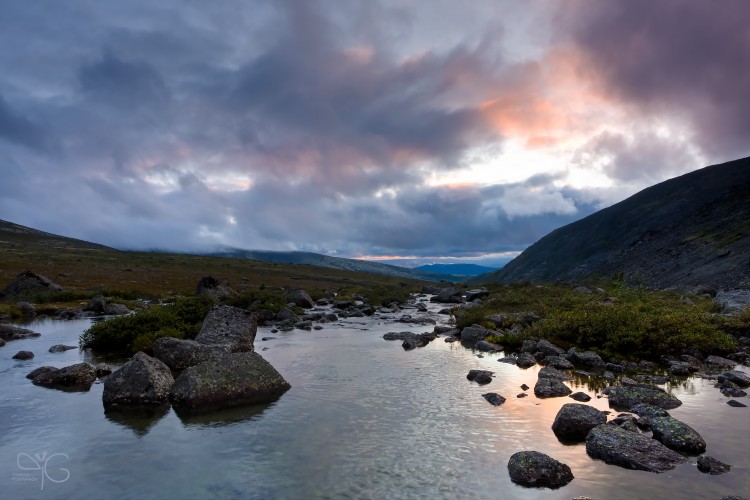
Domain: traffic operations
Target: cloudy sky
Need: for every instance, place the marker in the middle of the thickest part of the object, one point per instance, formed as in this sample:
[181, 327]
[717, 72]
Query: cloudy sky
[417, 130]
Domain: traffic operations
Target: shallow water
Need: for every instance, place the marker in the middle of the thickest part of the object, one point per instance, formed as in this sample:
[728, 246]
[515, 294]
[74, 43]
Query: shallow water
[364, 419]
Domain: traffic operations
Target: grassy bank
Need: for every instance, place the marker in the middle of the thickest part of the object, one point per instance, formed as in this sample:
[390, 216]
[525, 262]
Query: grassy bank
[619, 322]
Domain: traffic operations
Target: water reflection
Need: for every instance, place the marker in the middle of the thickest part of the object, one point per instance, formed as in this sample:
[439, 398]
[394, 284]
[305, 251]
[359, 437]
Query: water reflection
[139, 419]
[220, 418]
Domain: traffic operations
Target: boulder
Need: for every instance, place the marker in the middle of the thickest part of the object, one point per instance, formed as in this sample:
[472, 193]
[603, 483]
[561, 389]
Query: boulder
[227, 380]
[549, 349]
[719, 361]
[141, 381]
[511, 360]
[736, 404]
[736, 377]
[485, 346]
[38, 371]
[574, 421]
[78, 377]
[450, 295]
[625, 398]
[525, 360]
[27, 309]
[96, 304]
[10, 332]
[473, 334]
[494, 398]
[550, 388]
[300, 298]
[557, 362]
[587, 359]
[710, 465]
[29, 282]
[481, 377]
[580, 396]
[61, 348]
[228, 326]
[677, 435]
[23, 355]
[102, 369]
[680, 368]
[627, 422]
[116, 309]
[180, 354]
[537, 470]
[477, 293]
[2, 343]
[617, 446]
[733, 392]
[211, 287]
[549, 372]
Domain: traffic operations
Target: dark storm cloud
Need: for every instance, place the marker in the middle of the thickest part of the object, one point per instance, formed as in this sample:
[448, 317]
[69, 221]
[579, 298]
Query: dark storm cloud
[684, 58]
[18, 129]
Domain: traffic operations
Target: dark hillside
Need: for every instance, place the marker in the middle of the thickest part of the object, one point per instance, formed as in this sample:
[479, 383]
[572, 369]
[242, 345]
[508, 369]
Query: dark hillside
[687, 231]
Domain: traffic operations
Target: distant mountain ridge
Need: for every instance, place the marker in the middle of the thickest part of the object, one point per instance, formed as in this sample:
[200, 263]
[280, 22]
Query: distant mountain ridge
[455, 270]
[16, 234]
[314, 259]
[688, 231]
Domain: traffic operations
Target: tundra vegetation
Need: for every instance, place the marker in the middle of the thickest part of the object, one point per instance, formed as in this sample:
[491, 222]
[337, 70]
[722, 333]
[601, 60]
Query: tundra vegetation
[617, 320]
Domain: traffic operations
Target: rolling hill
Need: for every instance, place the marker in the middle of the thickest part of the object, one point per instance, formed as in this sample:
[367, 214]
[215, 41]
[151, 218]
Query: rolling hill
[687, 231]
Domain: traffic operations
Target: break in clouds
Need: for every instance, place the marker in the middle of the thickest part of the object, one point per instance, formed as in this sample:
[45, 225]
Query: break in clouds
[358, 128]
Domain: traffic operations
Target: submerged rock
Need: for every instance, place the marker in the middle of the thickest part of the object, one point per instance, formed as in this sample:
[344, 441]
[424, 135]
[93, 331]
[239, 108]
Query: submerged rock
[710, 465]
[38, 371]
[10, 332]
[630, 450]
[78, 377]
[61, 348]
[485, 346]
[736, 404]
[574, 421]
[537, 470]
[627, 397]
[494, 398]
[227, 380]
[141, 381]
[23, 355]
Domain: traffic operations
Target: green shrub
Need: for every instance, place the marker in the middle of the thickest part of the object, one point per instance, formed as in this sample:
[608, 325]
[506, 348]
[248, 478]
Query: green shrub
[137, 332]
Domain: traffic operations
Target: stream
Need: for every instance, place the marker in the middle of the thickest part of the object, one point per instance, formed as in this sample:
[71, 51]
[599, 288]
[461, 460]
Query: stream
[363, 419]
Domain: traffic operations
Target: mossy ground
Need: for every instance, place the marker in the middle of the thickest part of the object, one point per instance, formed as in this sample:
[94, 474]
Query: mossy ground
[618, 321]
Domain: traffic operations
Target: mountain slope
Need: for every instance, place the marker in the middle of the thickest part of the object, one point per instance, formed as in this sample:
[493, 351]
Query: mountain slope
[314, 259]
[15, 235]
[687, 231]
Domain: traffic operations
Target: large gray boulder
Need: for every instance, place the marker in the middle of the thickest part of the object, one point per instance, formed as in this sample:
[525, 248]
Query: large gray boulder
[630, 450]
[29, 282]
[549, 349]
[227, 380]
[624, 398]
[448, 295]
[525, 360]
[549, 372]
[180, 354]
[209, 286]
[550, 388]
[97, 304]
[78, 377]
[116, 309]
[586, 359]
[736, 377]
[473, 334]
[228, 326]
[574, 421]
[537, 470]
[141, 381]
[677, 435]
[300, 298]
[477, 293]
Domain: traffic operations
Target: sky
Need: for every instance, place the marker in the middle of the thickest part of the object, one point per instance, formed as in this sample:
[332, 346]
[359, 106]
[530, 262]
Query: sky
[409, 132]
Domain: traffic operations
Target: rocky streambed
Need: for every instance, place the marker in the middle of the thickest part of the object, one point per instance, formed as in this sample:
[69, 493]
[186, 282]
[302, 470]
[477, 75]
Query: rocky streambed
[411, 417]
